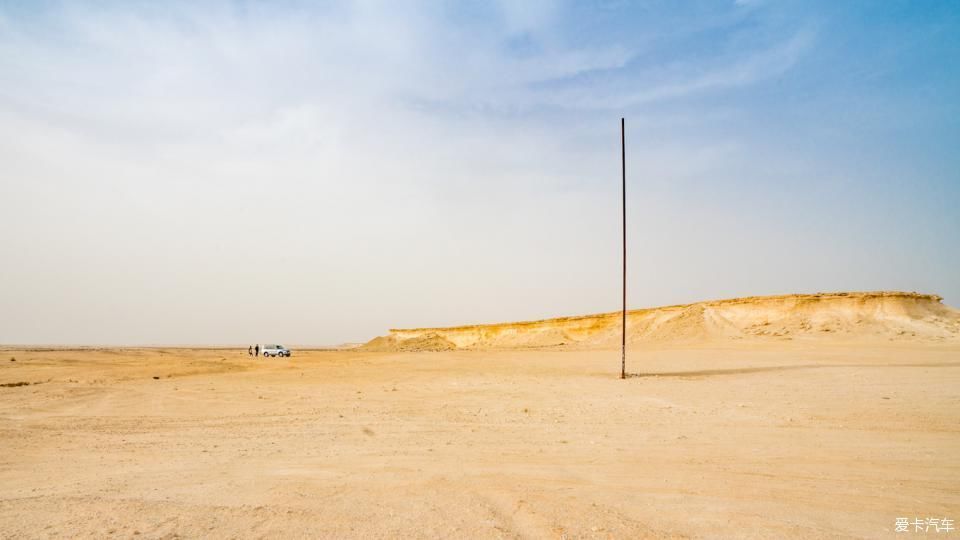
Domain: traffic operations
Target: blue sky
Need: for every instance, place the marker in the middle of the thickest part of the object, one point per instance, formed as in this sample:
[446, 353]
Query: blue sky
[169, 169]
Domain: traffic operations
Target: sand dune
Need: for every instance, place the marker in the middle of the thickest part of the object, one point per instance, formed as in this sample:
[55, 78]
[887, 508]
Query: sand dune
[850, 316]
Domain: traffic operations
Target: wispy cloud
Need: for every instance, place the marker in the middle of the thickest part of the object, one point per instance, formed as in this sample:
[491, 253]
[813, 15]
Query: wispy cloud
[638, 85]
[394, 156]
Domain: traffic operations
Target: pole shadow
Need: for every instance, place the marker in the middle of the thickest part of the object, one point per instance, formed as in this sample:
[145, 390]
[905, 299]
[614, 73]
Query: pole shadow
[764, 369]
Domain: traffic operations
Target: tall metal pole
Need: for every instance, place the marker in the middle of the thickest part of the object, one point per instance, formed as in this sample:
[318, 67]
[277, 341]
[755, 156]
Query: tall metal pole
[623, 193]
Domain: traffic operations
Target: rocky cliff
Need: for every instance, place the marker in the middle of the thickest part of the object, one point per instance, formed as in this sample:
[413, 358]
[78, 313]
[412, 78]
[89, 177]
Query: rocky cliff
[852, 316]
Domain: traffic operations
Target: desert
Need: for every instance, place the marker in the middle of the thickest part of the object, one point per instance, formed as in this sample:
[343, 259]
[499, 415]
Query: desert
[509, 269]
[740, 432]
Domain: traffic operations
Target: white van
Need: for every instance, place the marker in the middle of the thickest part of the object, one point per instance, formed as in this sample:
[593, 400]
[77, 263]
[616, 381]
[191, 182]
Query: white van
[275, 350]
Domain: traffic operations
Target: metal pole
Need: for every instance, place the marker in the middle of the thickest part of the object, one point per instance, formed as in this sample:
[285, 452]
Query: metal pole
[623, 192]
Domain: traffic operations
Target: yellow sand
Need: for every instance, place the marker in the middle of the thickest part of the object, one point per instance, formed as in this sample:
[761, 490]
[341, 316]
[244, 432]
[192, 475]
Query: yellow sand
[737, 438]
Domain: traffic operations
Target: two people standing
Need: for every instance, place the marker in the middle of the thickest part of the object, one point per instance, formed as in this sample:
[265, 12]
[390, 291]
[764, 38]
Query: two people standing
[253, 350]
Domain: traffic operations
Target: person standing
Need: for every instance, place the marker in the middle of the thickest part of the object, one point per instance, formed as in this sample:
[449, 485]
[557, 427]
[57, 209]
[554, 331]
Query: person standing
[250, 350]
[256, 350]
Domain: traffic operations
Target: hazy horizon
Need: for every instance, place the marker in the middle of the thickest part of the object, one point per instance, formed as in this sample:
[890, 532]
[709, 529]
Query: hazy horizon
[241, 172]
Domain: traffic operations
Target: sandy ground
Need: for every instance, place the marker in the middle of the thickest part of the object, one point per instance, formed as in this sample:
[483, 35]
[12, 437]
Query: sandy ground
[768, 441]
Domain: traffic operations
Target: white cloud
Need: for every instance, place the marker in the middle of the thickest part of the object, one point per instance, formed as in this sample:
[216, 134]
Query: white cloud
[401, 165]
[689, 79]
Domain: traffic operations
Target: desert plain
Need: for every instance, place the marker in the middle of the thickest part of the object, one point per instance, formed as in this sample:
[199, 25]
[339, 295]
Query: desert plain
[763, 437]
